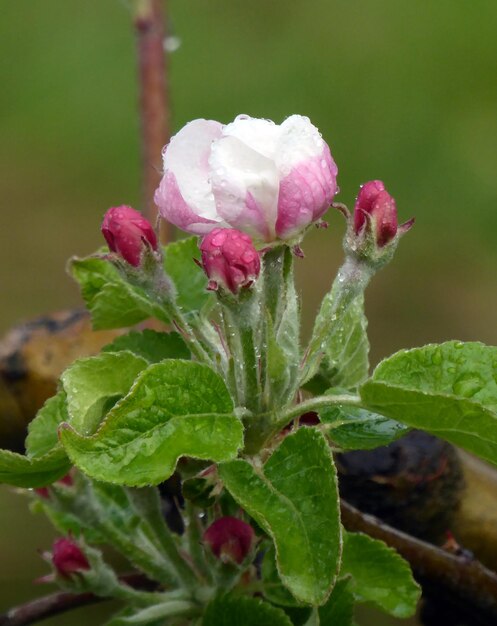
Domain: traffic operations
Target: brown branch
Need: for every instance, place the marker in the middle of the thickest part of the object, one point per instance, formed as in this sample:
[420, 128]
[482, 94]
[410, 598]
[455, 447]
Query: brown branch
[150, 30]
[459, 578]
[61, 602]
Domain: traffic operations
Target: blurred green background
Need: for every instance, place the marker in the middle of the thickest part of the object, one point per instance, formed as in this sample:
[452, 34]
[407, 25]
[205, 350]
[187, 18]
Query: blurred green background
[405, 91]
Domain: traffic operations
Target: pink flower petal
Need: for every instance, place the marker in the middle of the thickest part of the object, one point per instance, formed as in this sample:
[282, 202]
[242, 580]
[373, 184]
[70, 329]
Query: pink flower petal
[306, 193]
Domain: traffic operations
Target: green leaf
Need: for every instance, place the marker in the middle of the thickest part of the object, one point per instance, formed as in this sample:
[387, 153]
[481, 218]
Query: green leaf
[346, 362]
[359, 429]
[188, 277]
[20, 471]
[274, 590]
[339, 610]
[112, 301]
[42, 430]
[93, 385]
[176, 408]
[151, 345]
[379, 575]
[46, 460]
[294, 498]
[243, 611]
[449, 390]
[346, 348]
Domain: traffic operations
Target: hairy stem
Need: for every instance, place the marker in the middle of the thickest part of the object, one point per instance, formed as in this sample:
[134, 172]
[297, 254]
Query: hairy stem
[57, 603]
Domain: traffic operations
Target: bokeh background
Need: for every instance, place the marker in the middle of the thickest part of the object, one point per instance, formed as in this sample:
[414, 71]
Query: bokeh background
[405, 91]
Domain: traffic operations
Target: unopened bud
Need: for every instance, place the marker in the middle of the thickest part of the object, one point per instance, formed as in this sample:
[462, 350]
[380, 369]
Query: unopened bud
[230, 539]
[375, 205]
[68, 558]
[127, 232]
[229, 259]
[44, 493]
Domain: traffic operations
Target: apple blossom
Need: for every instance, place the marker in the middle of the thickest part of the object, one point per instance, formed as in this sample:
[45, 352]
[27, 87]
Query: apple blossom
[268, 180]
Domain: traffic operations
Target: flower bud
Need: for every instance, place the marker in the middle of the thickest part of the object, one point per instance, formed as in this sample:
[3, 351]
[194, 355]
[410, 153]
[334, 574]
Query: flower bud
[44, 493]
[376, 205]
[68, 558]
[230, 539]
[229, 259]
[127, 232]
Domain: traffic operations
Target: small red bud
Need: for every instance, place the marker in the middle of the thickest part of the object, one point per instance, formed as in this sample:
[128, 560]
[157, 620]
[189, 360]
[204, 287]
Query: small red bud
[126, 232]
[374, 202]
[229, 259]
[68, 558]
[230, 539]
[45, 494]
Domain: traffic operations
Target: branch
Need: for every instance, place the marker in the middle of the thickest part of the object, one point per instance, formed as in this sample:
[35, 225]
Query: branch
[150, 29]
[58, 603]
[458, 578]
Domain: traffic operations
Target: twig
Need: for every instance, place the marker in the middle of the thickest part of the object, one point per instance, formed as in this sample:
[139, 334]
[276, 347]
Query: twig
[458, 578]
[58, 603]
[150, 29]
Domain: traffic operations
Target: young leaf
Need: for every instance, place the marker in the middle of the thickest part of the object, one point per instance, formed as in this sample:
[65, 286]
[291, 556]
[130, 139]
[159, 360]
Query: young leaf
[93, 385]
[112, 301]
[379, 575]
[346, 361]
[42, 430]
[294, 498]
[150, 345]
[188, 277]
[449, 390]
[20, 471]
[175, 408]
[359, 429]
[339, 610]
[243, 611]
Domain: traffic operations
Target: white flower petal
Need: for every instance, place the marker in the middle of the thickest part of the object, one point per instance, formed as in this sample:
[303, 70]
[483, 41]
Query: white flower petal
[260, 135]
[187, 157]
[245, 184]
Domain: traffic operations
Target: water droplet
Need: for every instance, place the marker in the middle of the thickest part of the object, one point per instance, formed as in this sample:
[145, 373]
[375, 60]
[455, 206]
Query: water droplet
[436, 358]
[467, 385]
[172, 43]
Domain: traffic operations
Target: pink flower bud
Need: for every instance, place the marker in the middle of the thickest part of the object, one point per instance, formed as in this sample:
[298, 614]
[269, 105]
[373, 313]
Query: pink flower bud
[229, 259]
[68, 558]
[376, 204]
[44, 493]
[268, 180]
[127, 232]
[230, 539]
